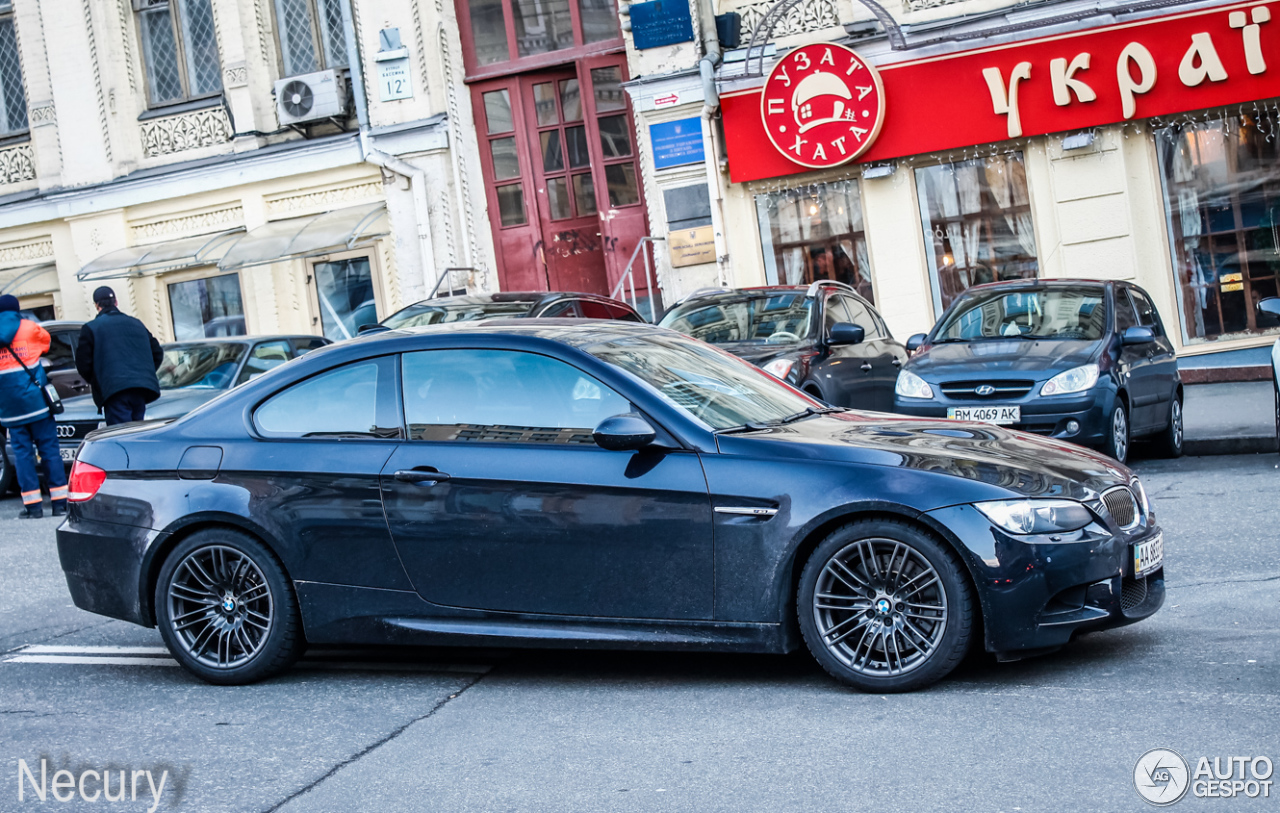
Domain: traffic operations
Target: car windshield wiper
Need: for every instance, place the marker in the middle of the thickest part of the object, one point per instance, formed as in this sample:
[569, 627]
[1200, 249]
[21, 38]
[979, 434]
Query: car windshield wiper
[749, 426]
[809, 411]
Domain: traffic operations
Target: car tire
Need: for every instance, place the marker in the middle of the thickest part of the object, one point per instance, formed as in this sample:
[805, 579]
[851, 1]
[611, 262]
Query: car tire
[1119, 433]
[1169, 442]
[856, 617]
[226, 609]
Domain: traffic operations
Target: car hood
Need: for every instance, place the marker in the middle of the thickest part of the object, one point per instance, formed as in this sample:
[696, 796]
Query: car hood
[759, 352]
[1000, 358]
[1005, 460]
[170, 404]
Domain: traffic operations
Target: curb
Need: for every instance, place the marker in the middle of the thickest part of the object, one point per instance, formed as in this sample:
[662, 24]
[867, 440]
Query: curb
[1254, 444]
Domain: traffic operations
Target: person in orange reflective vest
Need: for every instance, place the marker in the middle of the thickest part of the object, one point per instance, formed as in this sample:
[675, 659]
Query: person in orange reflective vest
[24, 413]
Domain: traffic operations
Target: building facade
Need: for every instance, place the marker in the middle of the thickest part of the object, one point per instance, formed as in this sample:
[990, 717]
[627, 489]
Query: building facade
[968, 142]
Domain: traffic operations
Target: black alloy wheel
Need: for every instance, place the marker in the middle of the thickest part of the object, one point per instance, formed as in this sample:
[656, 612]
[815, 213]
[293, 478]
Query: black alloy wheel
[884, 607]
[1170, 439]
[1118, 437]
[226, 610]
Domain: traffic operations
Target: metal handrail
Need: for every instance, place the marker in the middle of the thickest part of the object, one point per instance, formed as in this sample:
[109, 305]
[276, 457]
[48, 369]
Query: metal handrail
[655, 312]
[447, 273]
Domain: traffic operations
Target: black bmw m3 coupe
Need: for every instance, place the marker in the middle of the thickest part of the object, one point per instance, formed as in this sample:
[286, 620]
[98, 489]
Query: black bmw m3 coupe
[556, 483]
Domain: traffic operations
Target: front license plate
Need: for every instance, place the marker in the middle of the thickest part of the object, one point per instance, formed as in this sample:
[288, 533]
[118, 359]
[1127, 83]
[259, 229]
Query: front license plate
[1148, 556]
[986, 414]
[68, 455]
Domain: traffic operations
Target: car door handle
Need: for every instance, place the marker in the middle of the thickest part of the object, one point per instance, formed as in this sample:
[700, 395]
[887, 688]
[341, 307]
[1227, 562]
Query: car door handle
[420, 476]
[866, 366]
[897, 362]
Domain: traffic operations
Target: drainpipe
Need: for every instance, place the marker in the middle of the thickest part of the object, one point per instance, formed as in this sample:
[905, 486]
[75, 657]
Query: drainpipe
[417, 177]
[712, 54]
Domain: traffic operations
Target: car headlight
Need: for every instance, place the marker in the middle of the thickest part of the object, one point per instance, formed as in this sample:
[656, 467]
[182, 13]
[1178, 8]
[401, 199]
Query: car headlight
[1036, 516]
[779, 368]
[1077, 379]
[1142, 496]
[911, 385]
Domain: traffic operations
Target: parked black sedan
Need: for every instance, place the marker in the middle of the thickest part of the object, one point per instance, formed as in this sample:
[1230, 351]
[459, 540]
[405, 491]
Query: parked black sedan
[1081, 360]
[823, 338]
[511, 304]
[606, 484]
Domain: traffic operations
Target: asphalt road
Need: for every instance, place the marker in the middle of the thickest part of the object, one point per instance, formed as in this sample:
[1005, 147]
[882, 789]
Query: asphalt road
[443, 730]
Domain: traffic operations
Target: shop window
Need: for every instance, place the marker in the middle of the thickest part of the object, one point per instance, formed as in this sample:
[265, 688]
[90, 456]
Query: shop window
[815, 234]
[13, 99]
[180, 50]
[311, 35]
[344, 289]
[1222, 201]
[977, 224]
[204, 308]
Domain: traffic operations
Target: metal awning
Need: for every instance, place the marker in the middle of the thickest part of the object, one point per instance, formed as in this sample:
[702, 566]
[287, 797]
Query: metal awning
[186, 252]
[337, 230]
[29, 280]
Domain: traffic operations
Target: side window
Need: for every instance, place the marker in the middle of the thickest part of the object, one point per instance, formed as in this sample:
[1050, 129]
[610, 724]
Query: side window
[1146, 311]
[502, 396]
[356, 400]
[303, 346]
[60, 355]
[264, 356]
[594, 310]
[1124, 311]
[562, 310]
[622, 314]
[861, 316]
[833, 312]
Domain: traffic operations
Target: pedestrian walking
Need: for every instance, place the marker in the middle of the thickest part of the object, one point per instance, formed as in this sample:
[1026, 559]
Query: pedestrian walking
[26, 410]
[118, 357]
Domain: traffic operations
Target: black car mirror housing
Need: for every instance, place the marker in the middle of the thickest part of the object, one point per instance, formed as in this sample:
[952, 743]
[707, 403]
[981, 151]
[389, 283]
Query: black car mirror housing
[1270, 305]
[846, 333]
[1137, 335]
[627, 432]
[916, 342]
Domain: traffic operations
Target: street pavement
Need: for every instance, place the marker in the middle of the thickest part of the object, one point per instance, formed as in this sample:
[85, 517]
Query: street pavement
[443, 730]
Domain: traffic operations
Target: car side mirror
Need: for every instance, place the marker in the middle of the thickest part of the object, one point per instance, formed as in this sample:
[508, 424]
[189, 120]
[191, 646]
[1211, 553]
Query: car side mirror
[363, 329]
[916, 342]
[1270, 305]
[846, 333]
[627, 432]
[1137, 335]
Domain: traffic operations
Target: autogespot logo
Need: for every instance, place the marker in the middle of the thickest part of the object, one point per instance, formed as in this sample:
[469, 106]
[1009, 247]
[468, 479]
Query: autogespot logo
[1161, 776]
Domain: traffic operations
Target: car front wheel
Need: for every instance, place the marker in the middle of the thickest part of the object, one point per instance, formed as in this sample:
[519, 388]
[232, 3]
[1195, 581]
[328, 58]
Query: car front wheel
[226, 610]
[884, 607]
[1117, 443]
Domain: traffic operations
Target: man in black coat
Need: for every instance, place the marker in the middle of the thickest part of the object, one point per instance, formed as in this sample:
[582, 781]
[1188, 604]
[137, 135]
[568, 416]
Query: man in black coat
[119, 357]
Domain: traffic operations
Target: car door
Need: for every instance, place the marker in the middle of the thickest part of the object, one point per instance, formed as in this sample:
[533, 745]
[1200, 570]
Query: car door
[500, 500]
[847, 374]
[60, 363]
[1137, 367]
[1162, 358]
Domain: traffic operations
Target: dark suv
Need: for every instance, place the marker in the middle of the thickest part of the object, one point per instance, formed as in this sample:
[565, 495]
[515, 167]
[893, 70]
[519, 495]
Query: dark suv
[825, 338]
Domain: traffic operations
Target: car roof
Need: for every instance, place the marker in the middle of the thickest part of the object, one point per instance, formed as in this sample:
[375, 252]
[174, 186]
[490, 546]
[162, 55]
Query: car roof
[243, 339]
[54, 324]
[1057, 282]
[572, 332]
[532, 297]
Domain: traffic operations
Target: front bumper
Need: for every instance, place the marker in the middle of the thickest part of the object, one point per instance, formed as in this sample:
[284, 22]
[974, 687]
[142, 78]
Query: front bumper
[1049, 417]
[1038, 596]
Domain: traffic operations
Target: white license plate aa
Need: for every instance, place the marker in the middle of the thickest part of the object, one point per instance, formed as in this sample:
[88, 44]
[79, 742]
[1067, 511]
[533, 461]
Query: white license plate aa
[986, 414]
[68, 455]
[1148, 556]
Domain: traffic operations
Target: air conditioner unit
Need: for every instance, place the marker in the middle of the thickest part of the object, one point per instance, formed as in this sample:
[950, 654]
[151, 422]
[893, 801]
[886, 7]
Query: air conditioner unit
[311, 97]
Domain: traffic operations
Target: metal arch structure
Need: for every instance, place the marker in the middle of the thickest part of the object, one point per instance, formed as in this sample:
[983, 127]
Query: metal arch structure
[897, 41]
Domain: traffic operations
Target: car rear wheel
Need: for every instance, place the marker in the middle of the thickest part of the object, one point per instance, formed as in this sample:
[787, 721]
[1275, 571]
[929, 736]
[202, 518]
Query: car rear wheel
[1117, 444]
[884, 607]
[1170, 440]
[226, 610]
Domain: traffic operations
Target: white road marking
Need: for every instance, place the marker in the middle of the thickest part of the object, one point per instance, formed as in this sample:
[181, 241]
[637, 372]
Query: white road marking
[99, 660]
[41, 649]
[159, 656]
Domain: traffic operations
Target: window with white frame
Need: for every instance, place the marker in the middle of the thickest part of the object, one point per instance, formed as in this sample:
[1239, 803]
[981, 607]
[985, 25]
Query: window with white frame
[13, 98]
[311, 35]
[180, 50]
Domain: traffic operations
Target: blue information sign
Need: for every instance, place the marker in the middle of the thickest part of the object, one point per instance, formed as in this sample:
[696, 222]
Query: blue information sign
[676, 143]
[661, 22]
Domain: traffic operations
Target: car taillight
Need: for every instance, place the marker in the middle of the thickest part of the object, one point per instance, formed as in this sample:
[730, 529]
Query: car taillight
[85, 481]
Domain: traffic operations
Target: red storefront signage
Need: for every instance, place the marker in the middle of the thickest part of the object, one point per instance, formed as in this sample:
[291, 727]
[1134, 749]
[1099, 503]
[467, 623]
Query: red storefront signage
[1159, 67]
[822, 105]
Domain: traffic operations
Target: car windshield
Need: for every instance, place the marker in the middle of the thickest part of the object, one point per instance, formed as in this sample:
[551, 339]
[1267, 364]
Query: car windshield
[768, 318]
[1035, 313]
[428, 314]
[200, 366]
[713, 386]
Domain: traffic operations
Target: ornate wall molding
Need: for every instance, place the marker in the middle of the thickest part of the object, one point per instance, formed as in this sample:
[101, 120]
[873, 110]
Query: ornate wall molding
[814, 15]
[42, 113]
[189, 131]
[27, 253]
[323, 198]
[17, 164]
[190, 223]
[918, 5]
[234, 76]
